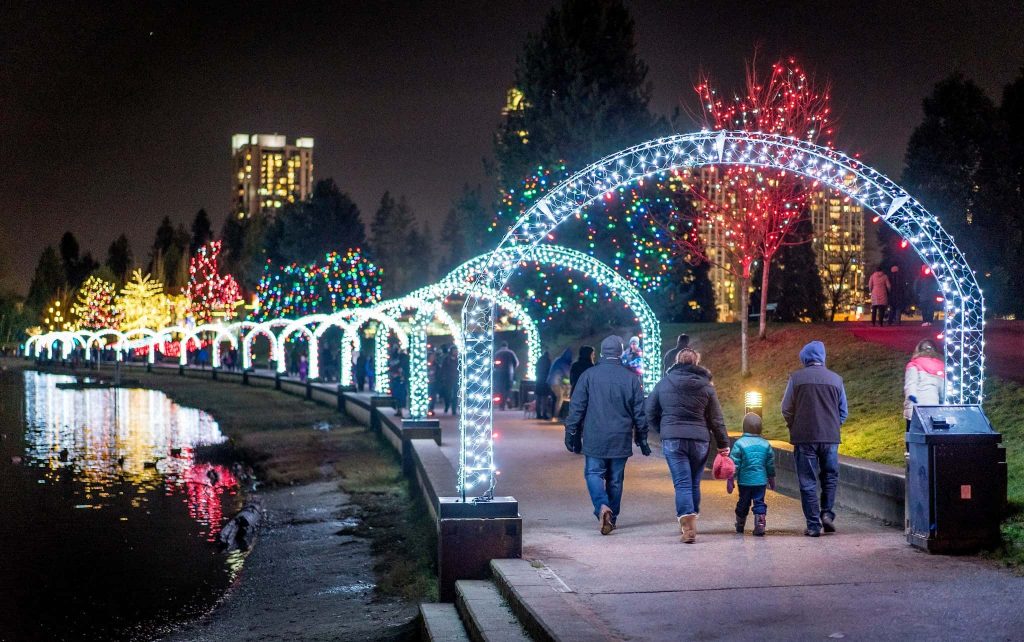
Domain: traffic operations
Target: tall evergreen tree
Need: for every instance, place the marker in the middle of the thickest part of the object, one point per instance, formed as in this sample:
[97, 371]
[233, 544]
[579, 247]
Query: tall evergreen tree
[391, 226]
[48, 281]
[464, 230]
[202, 231]
[119, 258]
[303, 232]
[584, 91]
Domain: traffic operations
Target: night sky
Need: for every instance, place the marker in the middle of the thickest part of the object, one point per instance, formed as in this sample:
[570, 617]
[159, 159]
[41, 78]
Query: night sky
[110, 121]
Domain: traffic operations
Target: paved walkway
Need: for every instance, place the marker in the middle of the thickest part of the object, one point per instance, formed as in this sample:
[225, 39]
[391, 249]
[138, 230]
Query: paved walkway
[641, 583]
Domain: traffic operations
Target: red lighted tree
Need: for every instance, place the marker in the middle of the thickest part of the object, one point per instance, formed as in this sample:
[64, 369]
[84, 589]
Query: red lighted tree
[741, 214]
[211, 295]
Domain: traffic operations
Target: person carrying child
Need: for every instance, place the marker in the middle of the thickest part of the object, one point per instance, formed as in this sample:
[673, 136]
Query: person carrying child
[755, 471]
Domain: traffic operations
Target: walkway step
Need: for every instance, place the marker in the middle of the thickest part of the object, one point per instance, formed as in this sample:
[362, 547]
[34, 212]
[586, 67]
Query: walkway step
[486, 614]
[441, 623]
[548, 609]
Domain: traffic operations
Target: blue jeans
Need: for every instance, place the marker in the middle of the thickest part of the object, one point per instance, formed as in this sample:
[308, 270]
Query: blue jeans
[686, 459]
[814, 463]
[604, 483]
[751, 495]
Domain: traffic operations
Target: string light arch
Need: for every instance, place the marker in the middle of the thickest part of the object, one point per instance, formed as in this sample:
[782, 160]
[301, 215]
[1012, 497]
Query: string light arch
[604, 276]
[964, 304]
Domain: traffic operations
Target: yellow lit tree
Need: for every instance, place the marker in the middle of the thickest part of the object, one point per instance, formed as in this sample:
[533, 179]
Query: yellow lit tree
[94, 306]
[55, 318]
[143, 303]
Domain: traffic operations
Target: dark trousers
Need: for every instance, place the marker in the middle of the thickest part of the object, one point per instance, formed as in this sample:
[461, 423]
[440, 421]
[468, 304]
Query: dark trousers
[817, 463]
[751, 495]
[895, 315]
[927, 311]
[604, 483]
[878, 313]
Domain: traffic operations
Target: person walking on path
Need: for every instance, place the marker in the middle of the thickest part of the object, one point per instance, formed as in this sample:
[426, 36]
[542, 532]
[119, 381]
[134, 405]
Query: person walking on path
[558, 381]
[926, 290]
[683, 408]
[924, 380]
[542, 394]
[395, 379]
[879, 287]
[669, 360]
[814, 407]
[898, 298]
[450, 374]
[505, 364]
[633, 356]
[360, 372]
[755, 472]
[584, 361]
[606, 417]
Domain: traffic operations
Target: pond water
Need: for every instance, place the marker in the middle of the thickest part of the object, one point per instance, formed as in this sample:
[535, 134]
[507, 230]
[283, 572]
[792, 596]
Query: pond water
[107, 522]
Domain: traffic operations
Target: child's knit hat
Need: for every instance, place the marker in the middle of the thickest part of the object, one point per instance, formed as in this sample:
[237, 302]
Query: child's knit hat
[752, 423]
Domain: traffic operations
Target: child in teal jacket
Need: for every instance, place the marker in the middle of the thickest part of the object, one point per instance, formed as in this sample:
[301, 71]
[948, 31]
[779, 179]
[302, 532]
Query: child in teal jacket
[755, 470]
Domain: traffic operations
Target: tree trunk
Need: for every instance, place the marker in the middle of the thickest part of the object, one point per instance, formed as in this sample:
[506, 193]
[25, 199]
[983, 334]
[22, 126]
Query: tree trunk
[744, 322]
[762, 330]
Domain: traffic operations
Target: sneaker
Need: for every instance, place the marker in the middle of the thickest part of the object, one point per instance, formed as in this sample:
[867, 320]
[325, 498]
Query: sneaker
[828, 522]
[606, 521]
[812, 532]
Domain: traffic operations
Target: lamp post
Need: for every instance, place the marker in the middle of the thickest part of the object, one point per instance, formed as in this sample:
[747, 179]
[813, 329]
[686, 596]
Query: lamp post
[753, 401]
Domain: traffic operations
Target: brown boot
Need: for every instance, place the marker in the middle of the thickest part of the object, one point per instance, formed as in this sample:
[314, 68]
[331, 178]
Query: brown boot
[606, 521]
[688, 524]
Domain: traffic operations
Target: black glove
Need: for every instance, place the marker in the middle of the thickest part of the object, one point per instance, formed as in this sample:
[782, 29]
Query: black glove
[573, 441]
[644, 447]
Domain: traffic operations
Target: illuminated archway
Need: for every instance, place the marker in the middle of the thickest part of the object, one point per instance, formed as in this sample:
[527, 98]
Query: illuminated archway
[350, 321]
[221, 333]
[964, 306]
[151, 344]
[423, 313]
[257, 330]
[187, 334]
[605, 276]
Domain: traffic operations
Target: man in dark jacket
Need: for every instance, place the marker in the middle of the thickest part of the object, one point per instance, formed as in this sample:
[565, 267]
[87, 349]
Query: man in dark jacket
[682, 341]
[543, 392]
[505, 364]
[583, 362]
[606, 416]
[814, 407]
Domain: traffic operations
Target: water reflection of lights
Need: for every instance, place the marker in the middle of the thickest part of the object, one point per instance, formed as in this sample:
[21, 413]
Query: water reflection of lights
[112, 436]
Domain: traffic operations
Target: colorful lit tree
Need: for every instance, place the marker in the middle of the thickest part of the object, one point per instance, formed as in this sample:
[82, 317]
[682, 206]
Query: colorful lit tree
[743, 214]
[94, 307]
[337, 282]
[143, 303]
[212, 295]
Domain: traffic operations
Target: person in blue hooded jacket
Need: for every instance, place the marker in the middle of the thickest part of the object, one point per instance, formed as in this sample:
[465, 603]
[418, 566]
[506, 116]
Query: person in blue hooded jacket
[814, 407]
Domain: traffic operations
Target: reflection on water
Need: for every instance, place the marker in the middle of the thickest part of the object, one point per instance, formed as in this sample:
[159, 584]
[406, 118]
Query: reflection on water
[105, 512]
[112, 435]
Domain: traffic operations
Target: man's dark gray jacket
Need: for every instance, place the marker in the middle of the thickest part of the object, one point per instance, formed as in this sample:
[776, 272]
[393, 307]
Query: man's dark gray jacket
[814, 405]
[608, 405]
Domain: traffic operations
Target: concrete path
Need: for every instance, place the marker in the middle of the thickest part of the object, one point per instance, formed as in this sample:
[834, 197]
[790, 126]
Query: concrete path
[641, 583]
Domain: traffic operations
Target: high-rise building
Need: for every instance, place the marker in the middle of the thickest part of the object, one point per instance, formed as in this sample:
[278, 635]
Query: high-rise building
[838, 242]
[269, 173]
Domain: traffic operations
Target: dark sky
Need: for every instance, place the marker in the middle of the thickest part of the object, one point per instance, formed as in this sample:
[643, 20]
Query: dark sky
[110, 121]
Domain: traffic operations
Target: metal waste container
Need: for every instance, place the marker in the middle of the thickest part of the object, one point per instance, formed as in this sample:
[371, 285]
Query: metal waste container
[956, 480]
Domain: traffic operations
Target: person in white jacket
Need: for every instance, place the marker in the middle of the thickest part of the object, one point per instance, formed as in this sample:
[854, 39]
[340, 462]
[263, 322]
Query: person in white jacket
[924, 380]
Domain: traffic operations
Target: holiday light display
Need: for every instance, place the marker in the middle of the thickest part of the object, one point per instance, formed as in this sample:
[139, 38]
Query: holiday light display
[94, 306]
[655, 160]
[143, 304]
[590, 268]
[337, 282]
[220, 334]
[424, 312]
[448, 288]
[211, 295]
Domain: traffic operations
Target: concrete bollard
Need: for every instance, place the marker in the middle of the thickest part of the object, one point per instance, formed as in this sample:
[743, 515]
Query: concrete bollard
[470, 534]
[277, 380]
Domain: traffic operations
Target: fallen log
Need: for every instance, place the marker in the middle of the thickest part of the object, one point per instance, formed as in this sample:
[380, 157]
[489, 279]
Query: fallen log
[240, 531]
